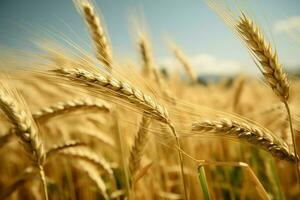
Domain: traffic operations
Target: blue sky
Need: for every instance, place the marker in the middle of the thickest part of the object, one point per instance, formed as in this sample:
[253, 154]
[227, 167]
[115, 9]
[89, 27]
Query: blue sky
[210, 45]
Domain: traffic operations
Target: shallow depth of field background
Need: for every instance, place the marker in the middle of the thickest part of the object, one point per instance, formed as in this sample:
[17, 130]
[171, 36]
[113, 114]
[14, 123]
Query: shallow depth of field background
[100, 145]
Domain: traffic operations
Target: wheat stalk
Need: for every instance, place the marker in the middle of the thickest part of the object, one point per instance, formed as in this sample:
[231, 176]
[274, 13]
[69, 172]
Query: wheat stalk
[269, 66]
[137, 148]
[103, 49]
[259, 137]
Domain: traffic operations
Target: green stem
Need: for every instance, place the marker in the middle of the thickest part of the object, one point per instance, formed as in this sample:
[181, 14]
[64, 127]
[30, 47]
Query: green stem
[276, 180]
[203, 182]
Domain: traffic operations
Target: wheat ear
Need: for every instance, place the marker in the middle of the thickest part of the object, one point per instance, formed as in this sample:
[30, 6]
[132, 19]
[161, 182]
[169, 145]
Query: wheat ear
[60, 147]
[117, 89]
[146, 56]
[269, 66]
[26, 130]
[123, 91]
[60, 108]
[103, 49]
[89, 156]
[94, 175]
[150, 70]
[95, 134]
[268, 60]
[259, 137]
[70, 106]
[137, 149]
[182, 58]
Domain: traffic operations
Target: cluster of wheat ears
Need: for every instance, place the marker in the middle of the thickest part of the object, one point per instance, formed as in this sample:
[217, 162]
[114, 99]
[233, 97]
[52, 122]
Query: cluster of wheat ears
[79, 126]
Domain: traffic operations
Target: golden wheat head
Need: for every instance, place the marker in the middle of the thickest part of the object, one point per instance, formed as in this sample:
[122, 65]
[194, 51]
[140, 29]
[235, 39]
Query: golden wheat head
[268, 60]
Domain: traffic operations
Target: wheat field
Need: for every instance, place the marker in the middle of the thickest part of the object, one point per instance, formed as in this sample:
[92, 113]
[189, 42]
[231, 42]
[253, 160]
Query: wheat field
[76, 125]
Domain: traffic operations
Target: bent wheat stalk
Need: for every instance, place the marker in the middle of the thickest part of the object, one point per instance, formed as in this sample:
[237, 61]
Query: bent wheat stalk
[268, 65]
[261, 138]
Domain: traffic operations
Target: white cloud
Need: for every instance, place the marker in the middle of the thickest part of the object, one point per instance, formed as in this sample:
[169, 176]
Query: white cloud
[287, 25]
[207, 64]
